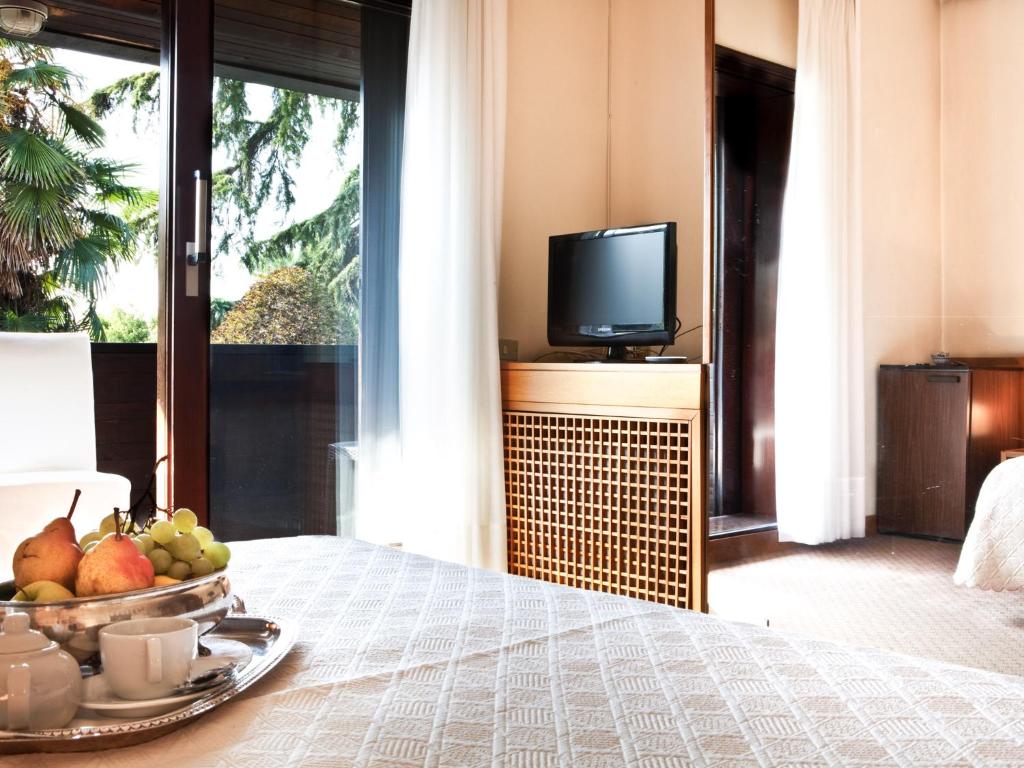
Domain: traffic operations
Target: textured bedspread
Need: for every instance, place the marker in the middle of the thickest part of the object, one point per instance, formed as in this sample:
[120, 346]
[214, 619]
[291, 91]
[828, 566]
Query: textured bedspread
[405, 661]
[993, 552]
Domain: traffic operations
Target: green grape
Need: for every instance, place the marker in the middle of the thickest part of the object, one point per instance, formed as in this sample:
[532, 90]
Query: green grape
[139, 545]
[90, 537]
[147, 542]
[202, 567]
[90, 546]
[217, 553]
[161, 560]
[108, 524]
[184, 547]
[203, 535]
[162, 531]
[179, 570]
[185, 520]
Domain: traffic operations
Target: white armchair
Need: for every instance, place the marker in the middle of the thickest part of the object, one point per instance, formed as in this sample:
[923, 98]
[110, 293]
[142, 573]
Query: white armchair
[48, 439]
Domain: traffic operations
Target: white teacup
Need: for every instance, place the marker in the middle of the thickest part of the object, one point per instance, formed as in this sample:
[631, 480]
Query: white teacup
[148, 658]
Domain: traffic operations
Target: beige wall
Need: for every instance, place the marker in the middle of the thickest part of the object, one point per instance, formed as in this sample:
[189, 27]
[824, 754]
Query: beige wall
[585, 150]
[656, 99]
[763, 28]
[898, 128]
[983, 176]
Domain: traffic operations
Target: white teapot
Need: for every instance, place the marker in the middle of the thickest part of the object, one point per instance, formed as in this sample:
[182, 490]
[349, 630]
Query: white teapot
[40, 685]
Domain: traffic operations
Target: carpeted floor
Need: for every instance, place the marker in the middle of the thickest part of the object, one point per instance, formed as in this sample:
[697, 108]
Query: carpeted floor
[887, 592]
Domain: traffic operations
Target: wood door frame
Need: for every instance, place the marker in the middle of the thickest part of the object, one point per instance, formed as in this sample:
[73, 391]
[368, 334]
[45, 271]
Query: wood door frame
[705, 474]
[186, 107]
[710, 217]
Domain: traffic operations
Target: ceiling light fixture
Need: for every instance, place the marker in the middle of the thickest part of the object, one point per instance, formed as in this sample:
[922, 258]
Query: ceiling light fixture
[22, 18]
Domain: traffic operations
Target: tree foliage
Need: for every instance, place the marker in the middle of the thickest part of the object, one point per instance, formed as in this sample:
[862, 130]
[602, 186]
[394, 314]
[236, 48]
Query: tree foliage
[262, 155]
[288, 306]
[63, 226]
[128, 328]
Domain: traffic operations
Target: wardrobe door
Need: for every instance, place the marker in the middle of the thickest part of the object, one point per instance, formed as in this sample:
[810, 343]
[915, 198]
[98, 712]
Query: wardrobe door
[922, 456]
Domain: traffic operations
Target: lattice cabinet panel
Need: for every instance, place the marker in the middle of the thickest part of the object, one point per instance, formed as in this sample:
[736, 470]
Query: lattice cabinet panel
[600, 502]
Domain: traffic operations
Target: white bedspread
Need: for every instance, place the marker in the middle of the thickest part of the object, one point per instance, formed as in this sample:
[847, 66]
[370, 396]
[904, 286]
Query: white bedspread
[993, 552]
[405, 661]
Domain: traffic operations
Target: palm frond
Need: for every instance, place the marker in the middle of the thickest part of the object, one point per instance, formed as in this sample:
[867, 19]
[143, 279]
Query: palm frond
[40, 216]
[107, 180]
[84, 265]
[41, 74]
[85, 128]
[31, 159]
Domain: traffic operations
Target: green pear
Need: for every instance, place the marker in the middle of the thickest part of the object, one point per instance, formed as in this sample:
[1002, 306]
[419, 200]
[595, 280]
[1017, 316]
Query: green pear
[43, 592]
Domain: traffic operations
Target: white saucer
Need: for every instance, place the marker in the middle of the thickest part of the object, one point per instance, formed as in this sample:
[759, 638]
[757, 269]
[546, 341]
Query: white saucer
[97, 696]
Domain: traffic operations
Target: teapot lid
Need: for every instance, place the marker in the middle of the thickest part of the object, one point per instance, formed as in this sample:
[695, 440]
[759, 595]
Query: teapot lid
[17, 637]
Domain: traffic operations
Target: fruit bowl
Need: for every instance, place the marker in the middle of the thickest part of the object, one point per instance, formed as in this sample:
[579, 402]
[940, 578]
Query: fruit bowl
[76, 623]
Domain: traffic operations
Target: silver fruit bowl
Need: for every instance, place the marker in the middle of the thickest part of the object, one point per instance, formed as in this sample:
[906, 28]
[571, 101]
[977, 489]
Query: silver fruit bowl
[76, 623]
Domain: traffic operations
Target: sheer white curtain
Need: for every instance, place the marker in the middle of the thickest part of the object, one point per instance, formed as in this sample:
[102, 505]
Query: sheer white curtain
[449, 476]
[819, 363]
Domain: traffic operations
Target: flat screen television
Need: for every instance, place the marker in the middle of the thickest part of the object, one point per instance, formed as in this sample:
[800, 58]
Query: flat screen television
[613, 288]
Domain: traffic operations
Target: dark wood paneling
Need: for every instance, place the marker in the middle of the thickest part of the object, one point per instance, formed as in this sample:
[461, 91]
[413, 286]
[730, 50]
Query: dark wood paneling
[275, 42]
[313, 40]
[124, 386]
[922, 451]
[754, 121]
[994, 426]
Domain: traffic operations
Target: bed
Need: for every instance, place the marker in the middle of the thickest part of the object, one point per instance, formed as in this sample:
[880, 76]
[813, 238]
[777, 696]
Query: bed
[993, 553]
[407, 661]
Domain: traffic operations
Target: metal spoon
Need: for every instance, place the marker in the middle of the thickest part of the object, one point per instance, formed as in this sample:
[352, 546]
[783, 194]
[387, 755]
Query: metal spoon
[210, 679]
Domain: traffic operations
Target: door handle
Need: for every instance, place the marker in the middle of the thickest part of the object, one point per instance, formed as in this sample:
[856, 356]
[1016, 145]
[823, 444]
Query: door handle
[949, 379]
[195, 251]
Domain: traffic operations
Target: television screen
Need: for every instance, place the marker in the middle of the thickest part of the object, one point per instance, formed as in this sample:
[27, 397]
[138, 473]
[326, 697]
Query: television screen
[613, 287]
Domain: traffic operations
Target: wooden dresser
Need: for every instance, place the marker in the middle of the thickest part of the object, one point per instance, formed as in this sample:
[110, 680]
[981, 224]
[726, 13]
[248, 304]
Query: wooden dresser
[603, 478]
[940, 432]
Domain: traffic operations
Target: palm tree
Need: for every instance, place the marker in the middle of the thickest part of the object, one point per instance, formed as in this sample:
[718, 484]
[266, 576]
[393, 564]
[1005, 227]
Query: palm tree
[65, 212]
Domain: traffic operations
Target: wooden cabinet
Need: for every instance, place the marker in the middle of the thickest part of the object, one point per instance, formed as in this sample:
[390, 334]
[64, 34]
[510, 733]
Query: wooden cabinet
[603, 477]
[940, 432]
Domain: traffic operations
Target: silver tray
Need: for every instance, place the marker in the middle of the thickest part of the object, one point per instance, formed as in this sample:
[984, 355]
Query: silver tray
[269, 641]
[76, 623]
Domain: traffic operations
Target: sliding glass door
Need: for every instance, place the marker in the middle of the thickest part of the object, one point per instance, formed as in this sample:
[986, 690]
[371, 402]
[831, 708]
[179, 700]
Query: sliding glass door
[285, 268]
[266, 260]
[216, 251]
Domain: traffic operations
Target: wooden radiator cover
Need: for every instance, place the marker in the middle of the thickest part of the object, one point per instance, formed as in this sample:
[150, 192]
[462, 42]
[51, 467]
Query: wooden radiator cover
[605, 500]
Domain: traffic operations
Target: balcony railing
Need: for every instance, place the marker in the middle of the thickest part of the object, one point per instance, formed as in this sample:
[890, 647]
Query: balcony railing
[277, 415]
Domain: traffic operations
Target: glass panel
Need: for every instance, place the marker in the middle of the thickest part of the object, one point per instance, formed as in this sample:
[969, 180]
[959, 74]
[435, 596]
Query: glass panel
[80, 233]
[78, 202]
[284, 280]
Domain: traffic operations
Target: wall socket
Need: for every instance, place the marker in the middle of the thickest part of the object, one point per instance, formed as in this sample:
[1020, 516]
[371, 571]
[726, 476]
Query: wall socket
[508, 350]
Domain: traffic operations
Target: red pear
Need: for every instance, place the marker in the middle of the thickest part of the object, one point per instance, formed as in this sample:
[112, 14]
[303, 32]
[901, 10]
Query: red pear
[114, 565]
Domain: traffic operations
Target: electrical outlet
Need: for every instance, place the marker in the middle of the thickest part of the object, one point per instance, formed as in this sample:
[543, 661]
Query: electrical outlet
[508, 350]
